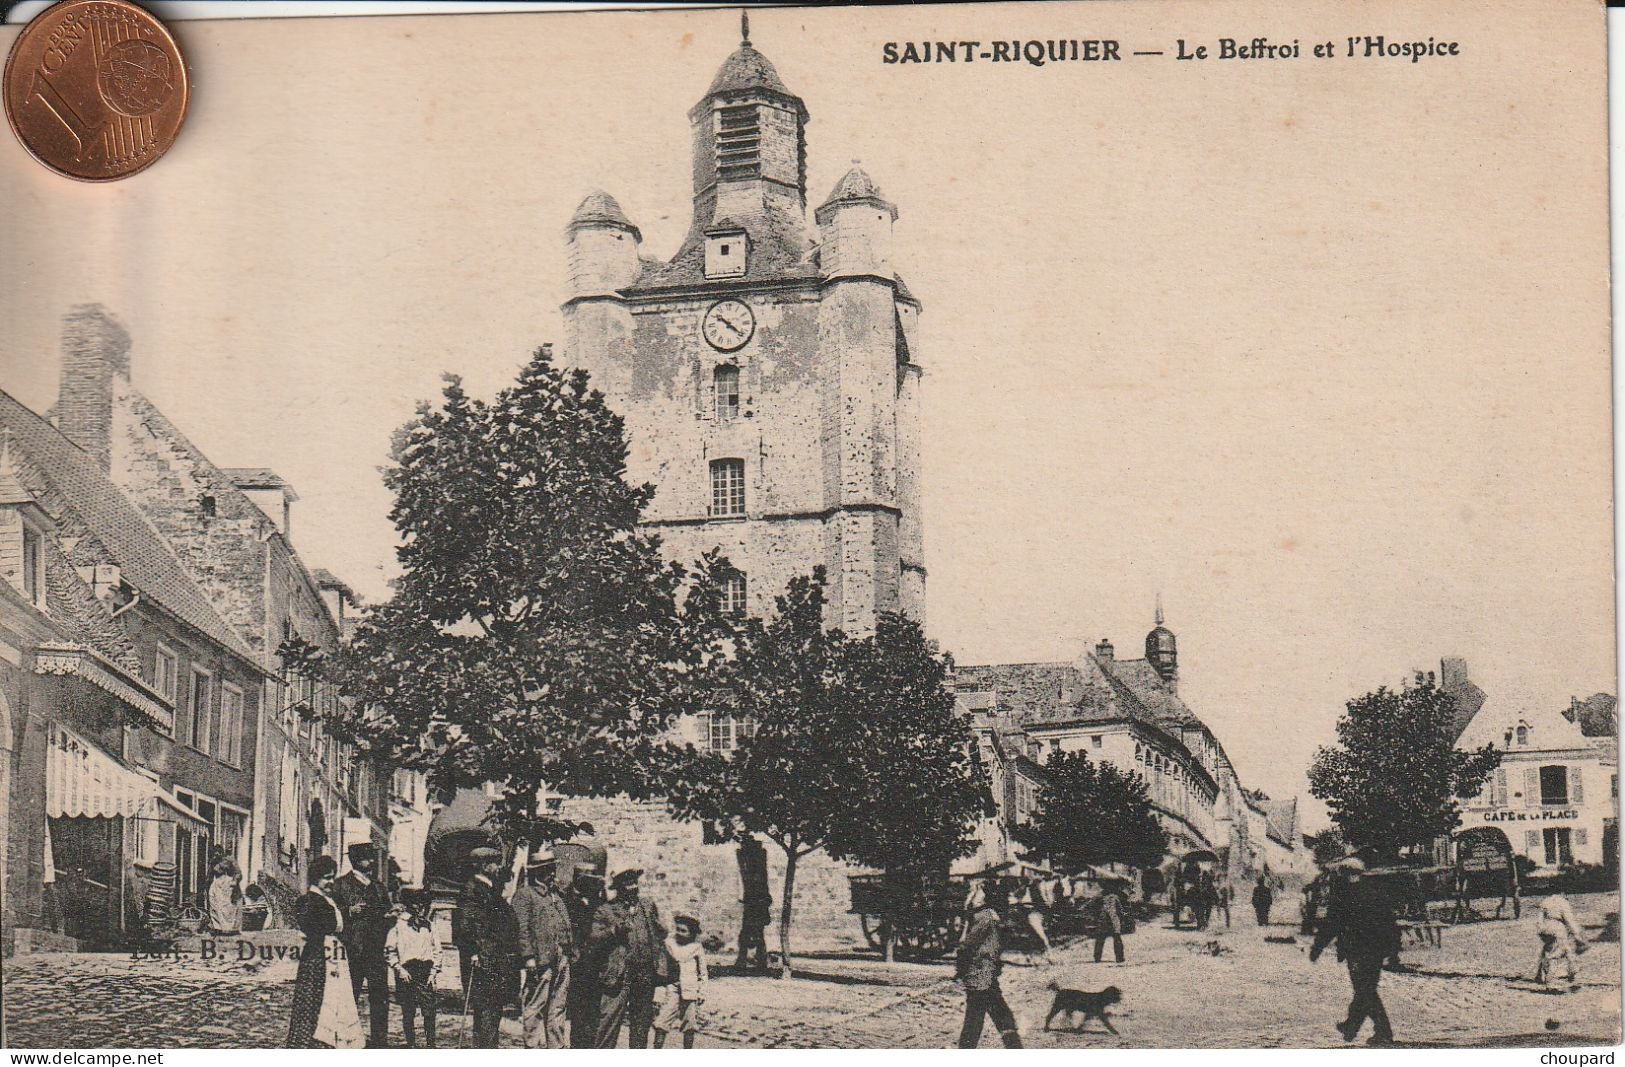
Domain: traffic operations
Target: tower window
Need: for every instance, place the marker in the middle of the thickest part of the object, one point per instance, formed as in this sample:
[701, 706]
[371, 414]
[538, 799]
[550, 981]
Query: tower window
[727, 488]
[725, 380]
[733, 594]
[739, 143]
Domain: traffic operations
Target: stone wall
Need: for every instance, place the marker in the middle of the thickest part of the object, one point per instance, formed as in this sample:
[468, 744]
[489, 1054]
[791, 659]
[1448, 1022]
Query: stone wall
[687, 876]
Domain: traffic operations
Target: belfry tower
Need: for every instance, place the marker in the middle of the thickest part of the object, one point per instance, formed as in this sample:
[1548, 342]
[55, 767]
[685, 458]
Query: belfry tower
[768, 371]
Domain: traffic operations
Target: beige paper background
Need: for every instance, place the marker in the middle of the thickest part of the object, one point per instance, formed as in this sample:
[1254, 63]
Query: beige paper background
[1318, 349]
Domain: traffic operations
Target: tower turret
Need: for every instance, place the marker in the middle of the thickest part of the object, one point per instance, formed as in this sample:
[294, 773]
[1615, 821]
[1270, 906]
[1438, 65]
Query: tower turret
[855, 228]
[750, 141]
[602, 247]
[1161, 650]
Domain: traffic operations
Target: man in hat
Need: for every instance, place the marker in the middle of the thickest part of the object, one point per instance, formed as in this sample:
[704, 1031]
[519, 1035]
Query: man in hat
[598, 974]
[981, 958]
[1360, 918]
[491, 933]
[546, 945]
[645, 955]
[364, 902]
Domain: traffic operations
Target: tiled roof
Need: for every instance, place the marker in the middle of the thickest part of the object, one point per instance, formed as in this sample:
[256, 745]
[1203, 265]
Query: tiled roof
[1281, 818]
[1152, 692]
[779, 249]
[254, 477]
[143, 557]
[1023, 692]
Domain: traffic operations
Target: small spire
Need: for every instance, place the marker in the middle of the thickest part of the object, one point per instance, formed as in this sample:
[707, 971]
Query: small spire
[744, 28]
[1159, 607]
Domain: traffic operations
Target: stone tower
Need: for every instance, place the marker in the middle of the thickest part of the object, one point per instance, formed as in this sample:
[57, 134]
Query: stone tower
[768, 370]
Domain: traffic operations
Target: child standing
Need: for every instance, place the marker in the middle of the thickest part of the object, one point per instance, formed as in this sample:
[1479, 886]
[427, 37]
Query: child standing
[413, 953]
[681, 1010]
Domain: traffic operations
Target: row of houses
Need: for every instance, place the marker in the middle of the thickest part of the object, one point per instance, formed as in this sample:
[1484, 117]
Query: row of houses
[1126, 712]
[148, 728]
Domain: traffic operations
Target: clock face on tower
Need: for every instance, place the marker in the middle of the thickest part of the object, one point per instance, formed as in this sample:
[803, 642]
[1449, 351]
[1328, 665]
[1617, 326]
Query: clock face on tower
[728, 325]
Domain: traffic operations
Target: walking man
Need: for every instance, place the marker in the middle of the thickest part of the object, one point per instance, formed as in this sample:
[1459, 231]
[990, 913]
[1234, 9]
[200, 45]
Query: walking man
[981, 958]
[492, 932]
[364, 902]
[545, 944]
[1111, 925]
[1263, 900]
[645, 953]
[1360, 918]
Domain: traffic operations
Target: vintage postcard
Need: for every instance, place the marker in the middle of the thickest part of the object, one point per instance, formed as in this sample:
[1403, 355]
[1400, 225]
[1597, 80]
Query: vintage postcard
[992, 524]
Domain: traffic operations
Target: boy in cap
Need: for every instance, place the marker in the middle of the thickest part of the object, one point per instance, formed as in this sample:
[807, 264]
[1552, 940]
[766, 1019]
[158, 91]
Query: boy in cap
[681, 1009]
[413, 953]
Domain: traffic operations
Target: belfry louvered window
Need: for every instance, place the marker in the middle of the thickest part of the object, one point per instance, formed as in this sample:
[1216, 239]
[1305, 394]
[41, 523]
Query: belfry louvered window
[727, 488]
[739, 143]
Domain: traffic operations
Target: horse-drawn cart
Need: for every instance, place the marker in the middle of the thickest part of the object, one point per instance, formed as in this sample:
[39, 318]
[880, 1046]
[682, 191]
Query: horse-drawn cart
[921, 918]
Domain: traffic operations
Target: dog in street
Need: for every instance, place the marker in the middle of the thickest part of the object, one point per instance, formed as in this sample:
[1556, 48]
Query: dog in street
[1079, 1002]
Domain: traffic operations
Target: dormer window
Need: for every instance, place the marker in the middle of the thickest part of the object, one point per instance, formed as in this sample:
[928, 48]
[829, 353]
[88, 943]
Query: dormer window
[727, 250]
[1523, 736]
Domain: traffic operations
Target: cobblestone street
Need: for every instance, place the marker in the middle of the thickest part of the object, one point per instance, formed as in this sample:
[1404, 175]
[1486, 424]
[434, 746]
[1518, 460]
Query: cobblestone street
[1221, 988]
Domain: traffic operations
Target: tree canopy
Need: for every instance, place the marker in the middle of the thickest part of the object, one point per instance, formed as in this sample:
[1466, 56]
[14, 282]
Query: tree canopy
[1395, 779]
[1092, 814]
[534, 635]
[853, 746]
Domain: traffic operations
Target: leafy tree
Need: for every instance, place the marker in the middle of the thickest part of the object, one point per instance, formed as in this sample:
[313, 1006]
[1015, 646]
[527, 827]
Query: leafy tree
[1093, 813]
[854, 747]
[534, 635]
[1395, 778]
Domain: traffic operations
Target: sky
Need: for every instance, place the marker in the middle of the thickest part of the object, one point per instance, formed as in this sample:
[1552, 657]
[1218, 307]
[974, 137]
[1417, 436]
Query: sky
[1317, 350]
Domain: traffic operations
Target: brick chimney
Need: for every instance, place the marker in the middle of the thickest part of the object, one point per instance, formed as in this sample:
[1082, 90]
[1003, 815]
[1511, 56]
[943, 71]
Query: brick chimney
[95, 355]
[1104, 651]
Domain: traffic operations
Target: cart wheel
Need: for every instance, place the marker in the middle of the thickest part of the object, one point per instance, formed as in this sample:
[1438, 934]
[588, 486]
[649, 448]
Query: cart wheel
[872, 927]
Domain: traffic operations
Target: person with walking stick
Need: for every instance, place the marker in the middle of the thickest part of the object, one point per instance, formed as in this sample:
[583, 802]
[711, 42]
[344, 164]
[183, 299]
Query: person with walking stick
[492, 932]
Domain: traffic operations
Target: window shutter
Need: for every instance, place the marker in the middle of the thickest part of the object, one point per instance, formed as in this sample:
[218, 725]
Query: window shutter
[1531, 841]
[1498, 794]
[1531, 787]
[1576, 794]
[1580, 838]
[702, 388]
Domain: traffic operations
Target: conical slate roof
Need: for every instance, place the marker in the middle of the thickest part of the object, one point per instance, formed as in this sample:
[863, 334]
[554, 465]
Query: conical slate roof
[855, 186]
[747, 69]
[600, 208]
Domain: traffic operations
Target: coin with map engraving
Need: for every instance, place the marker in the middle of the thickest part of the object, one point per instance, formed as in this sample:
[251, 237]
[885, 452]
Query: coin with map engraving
[95, 89]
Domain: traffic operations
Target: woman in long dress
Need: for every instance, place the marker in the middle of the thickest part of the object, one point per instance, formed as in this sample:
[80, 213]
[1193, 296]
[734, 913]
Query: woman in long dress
[324, 1014]
[225, 899]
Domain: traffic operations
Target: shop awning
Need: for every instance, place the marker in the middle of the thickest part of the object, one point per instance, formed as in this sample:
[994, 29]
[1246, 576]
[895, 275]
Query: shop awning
[83, 781]
[84, 663]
